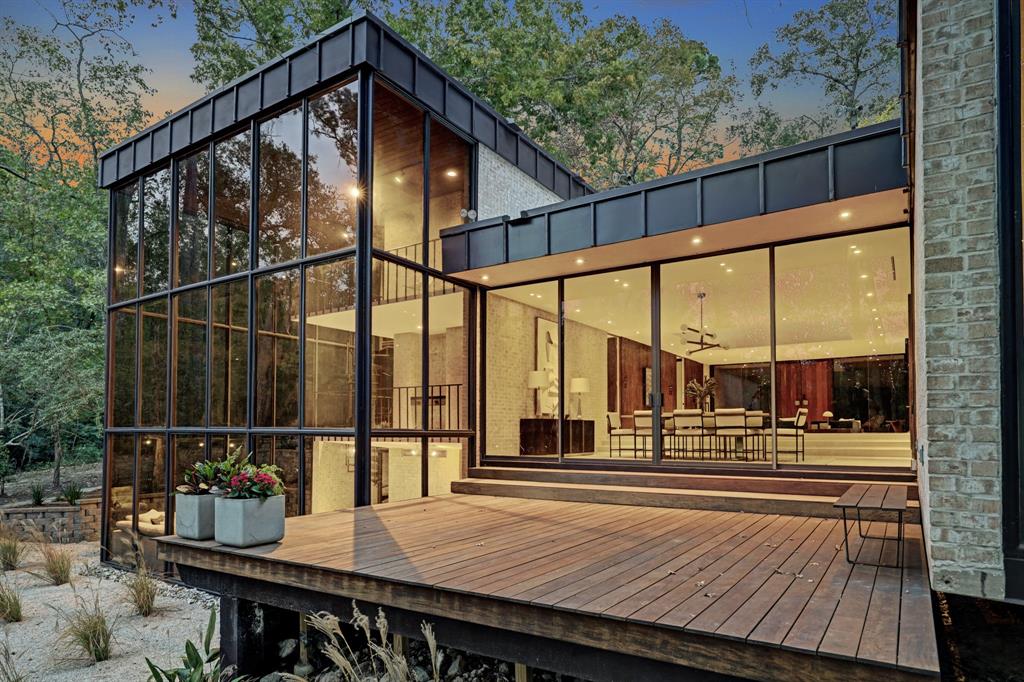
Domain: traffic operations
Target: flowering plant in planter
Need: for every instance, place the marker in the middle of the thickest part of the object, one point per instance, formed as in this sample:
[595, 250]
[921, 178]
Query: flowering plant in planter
[254, 482]
[229, 467]
[251, 511]
[199, 479]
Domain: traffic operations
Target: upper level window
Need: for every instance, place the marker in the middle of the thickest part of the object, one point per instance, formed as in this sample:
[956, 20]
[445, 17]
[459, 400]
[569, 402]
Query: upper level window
[397, 175]
[279, 211]
[332, 189]
[193, 218]
[125, 281]
[449, 185]
[156, 227]
[232, 186]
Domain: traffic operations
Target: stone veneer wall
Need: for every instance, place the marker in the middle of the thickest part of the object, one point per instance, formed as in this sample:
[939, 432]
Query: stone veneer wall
[503, 189]
[957, 290]
[61, 523]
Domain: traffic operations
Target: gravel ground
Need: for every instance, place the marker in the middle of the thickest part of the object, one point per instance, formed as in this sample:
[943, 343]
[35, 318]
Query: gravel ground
[182, 614]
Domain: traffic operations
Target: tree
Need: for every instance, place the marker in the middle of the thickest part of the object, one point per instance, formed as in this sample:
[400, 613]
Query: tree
[67, 91]
[763, 129]
[847, 46]
[233, 37]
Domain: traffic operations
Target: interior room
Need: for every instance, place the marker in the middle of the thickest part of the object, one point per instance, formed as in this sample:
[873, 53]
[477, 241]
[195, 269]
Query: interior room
[842, 370]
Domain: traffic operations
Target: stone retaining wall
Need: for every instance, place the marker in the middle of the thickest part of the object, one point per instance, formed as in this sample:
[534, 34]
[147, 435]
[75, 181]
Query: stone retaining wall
[61, 523]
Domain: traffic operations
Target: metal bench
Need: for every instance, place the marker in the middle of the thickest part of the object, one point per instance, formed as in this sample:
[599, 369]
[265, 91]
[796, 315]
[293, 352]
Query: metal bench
[876, 498]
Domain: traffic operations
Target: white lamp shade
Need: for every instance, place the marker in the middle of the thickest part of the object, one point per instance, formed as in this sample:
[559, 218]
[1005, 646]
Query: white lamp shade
[579, 385]
[826, 414]
[537, 379]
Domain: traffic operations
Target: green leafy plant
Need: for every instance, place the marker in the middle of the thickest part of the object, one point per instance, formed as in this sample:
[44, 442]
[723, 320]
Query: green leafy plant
[229, 467]
[71, 492]
[10, 605]
[200, 478]
[57, 561]
[254, 482]
[88, 630]
[142, 590]
[38, 491]
[195, 666]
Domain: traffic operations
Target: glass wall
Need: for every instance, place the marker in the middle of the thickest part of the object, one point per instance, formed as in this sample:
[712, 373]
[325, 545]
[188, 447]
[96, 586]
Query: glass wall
[248, 338]
[836, 392]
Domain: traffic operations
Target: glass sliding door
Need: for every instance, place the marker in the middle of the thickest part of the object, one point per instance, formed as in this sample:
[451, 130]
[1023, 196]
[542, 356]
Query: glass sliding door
[841, 379]
[716, 359]
[609, 367]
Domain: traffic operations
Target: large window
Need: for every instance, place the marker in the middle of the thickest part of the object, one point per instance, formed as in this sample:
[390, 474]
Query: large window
[279, 237]
[397, 175]
[121, 361]
[330, 344]
[121, 492]
[156, 229]
[332, 190]
[232, 186]
[153, 364]
[450, 169]
[190, 358]
[193, 218]
[277, 350]
[229, 352]
[125, 258]
[397, 343]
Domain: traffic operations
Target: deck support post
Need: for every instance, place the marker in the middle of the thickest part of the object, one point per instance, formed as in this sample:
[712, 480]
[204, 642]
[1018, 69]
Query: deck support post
[523, 673]
[398, 644]
[250, 632]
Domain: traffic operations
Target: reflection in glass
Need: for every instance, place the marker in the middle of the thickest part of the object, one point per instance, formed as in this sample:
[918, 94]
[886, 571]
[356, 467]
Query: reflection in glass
[121, 411]
[279, 213]
[229, 350]
[609, 364]
[444, 463]
[232, 160]
[447, 388]
[331, 185]
[522, 334]
[397, 175]
[276, 385]
[188, 449]
[120, 479]
[193, 217]
[190, 358]
[330, 344]
[222, 446]
[283, 452]
[153, 364]
[397, 320]
[396, 471]
[151, 513]
[156, 228]
[126, 243]
[449, 185]
[330, 473]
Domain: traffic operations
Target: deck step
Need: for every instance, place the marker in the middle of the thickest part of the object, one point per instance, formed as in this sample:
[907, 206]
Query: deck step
[648, 496]
[788, 485]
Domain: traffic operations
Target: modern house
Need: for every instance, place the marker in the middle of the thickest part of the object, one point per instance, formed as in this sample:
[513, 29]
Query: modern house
[348, 265]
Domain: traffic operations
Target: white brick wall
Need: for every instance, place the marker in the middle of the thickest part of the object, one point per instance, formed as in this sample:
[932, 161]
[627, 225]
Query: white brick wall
[503, 189]
[956, 284]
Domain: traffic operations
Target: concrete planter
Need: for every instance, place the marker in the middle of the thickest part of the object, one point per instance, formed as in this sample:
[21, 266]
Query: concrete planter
[244, 523]
[193, 516]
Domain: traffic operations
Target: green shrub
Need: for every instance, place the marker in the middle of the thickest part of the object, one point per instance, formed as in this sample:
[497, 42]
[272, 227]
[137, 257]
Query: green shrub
[88, 630]
[10, 605]
[71, 492]
[142, 590]
[12, 550]
[38, 491]
[57, 562]
[195, 666]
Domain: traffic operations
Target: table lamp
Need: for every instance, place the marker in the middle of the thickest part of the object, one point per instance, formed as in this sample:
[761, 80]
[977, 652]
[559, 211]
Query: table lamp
[578, 386]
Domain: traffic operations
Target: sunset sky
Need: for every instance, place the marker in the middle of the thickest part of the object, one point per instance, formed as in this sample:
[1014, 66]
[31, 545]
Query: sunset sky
[732, 29]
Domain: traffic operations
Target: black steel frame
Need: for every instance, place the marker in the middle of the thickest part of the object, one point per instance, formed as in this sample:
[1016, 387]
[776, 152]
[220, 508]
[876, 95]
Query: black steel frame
[1011, 262]
[656, 463]
[364, 256]
[864, 536]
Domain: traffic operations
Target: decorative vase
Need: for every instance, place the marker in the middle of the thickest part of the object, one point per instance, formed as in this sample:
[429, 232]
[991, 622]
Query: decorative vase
[194, 516]
[249, 522]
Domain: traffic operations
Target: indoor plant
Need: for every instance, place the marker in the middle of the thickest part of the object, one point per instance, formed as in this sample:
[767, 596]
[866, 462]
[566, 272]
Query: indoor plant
[193, 505]
[251, 510]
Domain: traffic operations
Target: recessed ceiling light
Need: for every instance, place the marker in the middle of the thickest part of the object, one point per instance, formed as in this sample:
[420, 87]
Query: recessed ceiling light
[616, 280]
[696, 240]
[398, 179]
[854, 246]
[451, 173]
[609, 321]
[625, 285]
[856, 252]
[844, 215]
[722, 265]
[577, 310]
[870, 294]
[485, 277]
[783, 319]
[863, 276]
[580, 261]
[874, 310]
[728, 269]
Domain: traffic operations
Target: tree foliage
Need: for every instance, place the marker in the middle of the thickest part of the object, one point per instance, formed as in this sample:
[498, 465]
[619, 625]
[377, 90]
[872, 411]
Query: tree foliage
[847, 46]
[67, 91]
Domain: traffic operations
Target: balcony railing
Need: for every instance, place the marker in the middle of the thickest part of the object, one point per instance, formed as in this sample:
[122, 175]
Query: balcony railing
[401, 407]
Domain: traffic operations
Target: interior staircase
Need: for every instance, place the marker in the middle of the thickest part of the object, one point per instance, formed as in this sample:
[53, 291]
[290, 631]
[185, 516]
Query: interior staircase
[768, 493]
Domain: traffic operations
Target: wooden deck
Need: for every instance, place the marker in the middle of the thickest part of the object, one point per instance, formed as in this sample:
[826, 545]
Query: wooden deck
[754, 595]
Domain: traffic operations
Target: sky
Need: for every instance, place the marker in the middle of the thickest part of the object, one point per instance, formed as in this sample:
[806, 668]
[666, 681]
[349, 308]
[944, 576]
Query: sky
[732, 29]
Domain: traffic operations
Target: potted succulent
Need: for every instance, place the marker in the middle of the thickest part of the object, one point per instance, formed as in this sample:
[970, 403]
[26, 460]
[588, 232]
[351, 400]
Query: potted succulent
[251, 510]
[193, 505]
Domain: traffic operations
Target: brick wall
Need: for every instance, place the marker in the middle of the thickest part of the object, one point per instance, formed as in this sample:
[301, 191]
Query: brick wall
[503, 189]
[956, 284]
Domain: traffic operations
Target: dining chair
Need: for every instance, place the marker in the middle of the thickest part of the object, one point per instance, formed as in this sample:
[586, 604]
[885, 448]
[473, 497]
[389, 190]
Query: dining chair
[689, 425]
[643, 428]
[756, 434]
[792, 430]
[730, 429]
[617, 431]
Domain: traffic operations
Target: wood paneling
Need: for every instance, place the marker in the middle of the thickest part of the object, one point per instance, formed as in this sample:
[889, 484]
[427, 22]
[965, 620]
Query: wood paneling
[691, 370]
[633, 359]
[809, 380]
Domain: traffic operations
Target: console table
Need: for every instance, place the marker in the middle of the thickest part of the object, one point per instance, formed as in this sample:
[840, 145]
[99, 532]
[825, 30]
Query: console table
[539, 436]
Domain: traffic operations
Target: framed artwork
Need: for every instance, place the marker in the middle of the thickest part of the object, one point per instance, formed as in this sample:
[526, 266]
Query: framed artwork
[547, 362]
